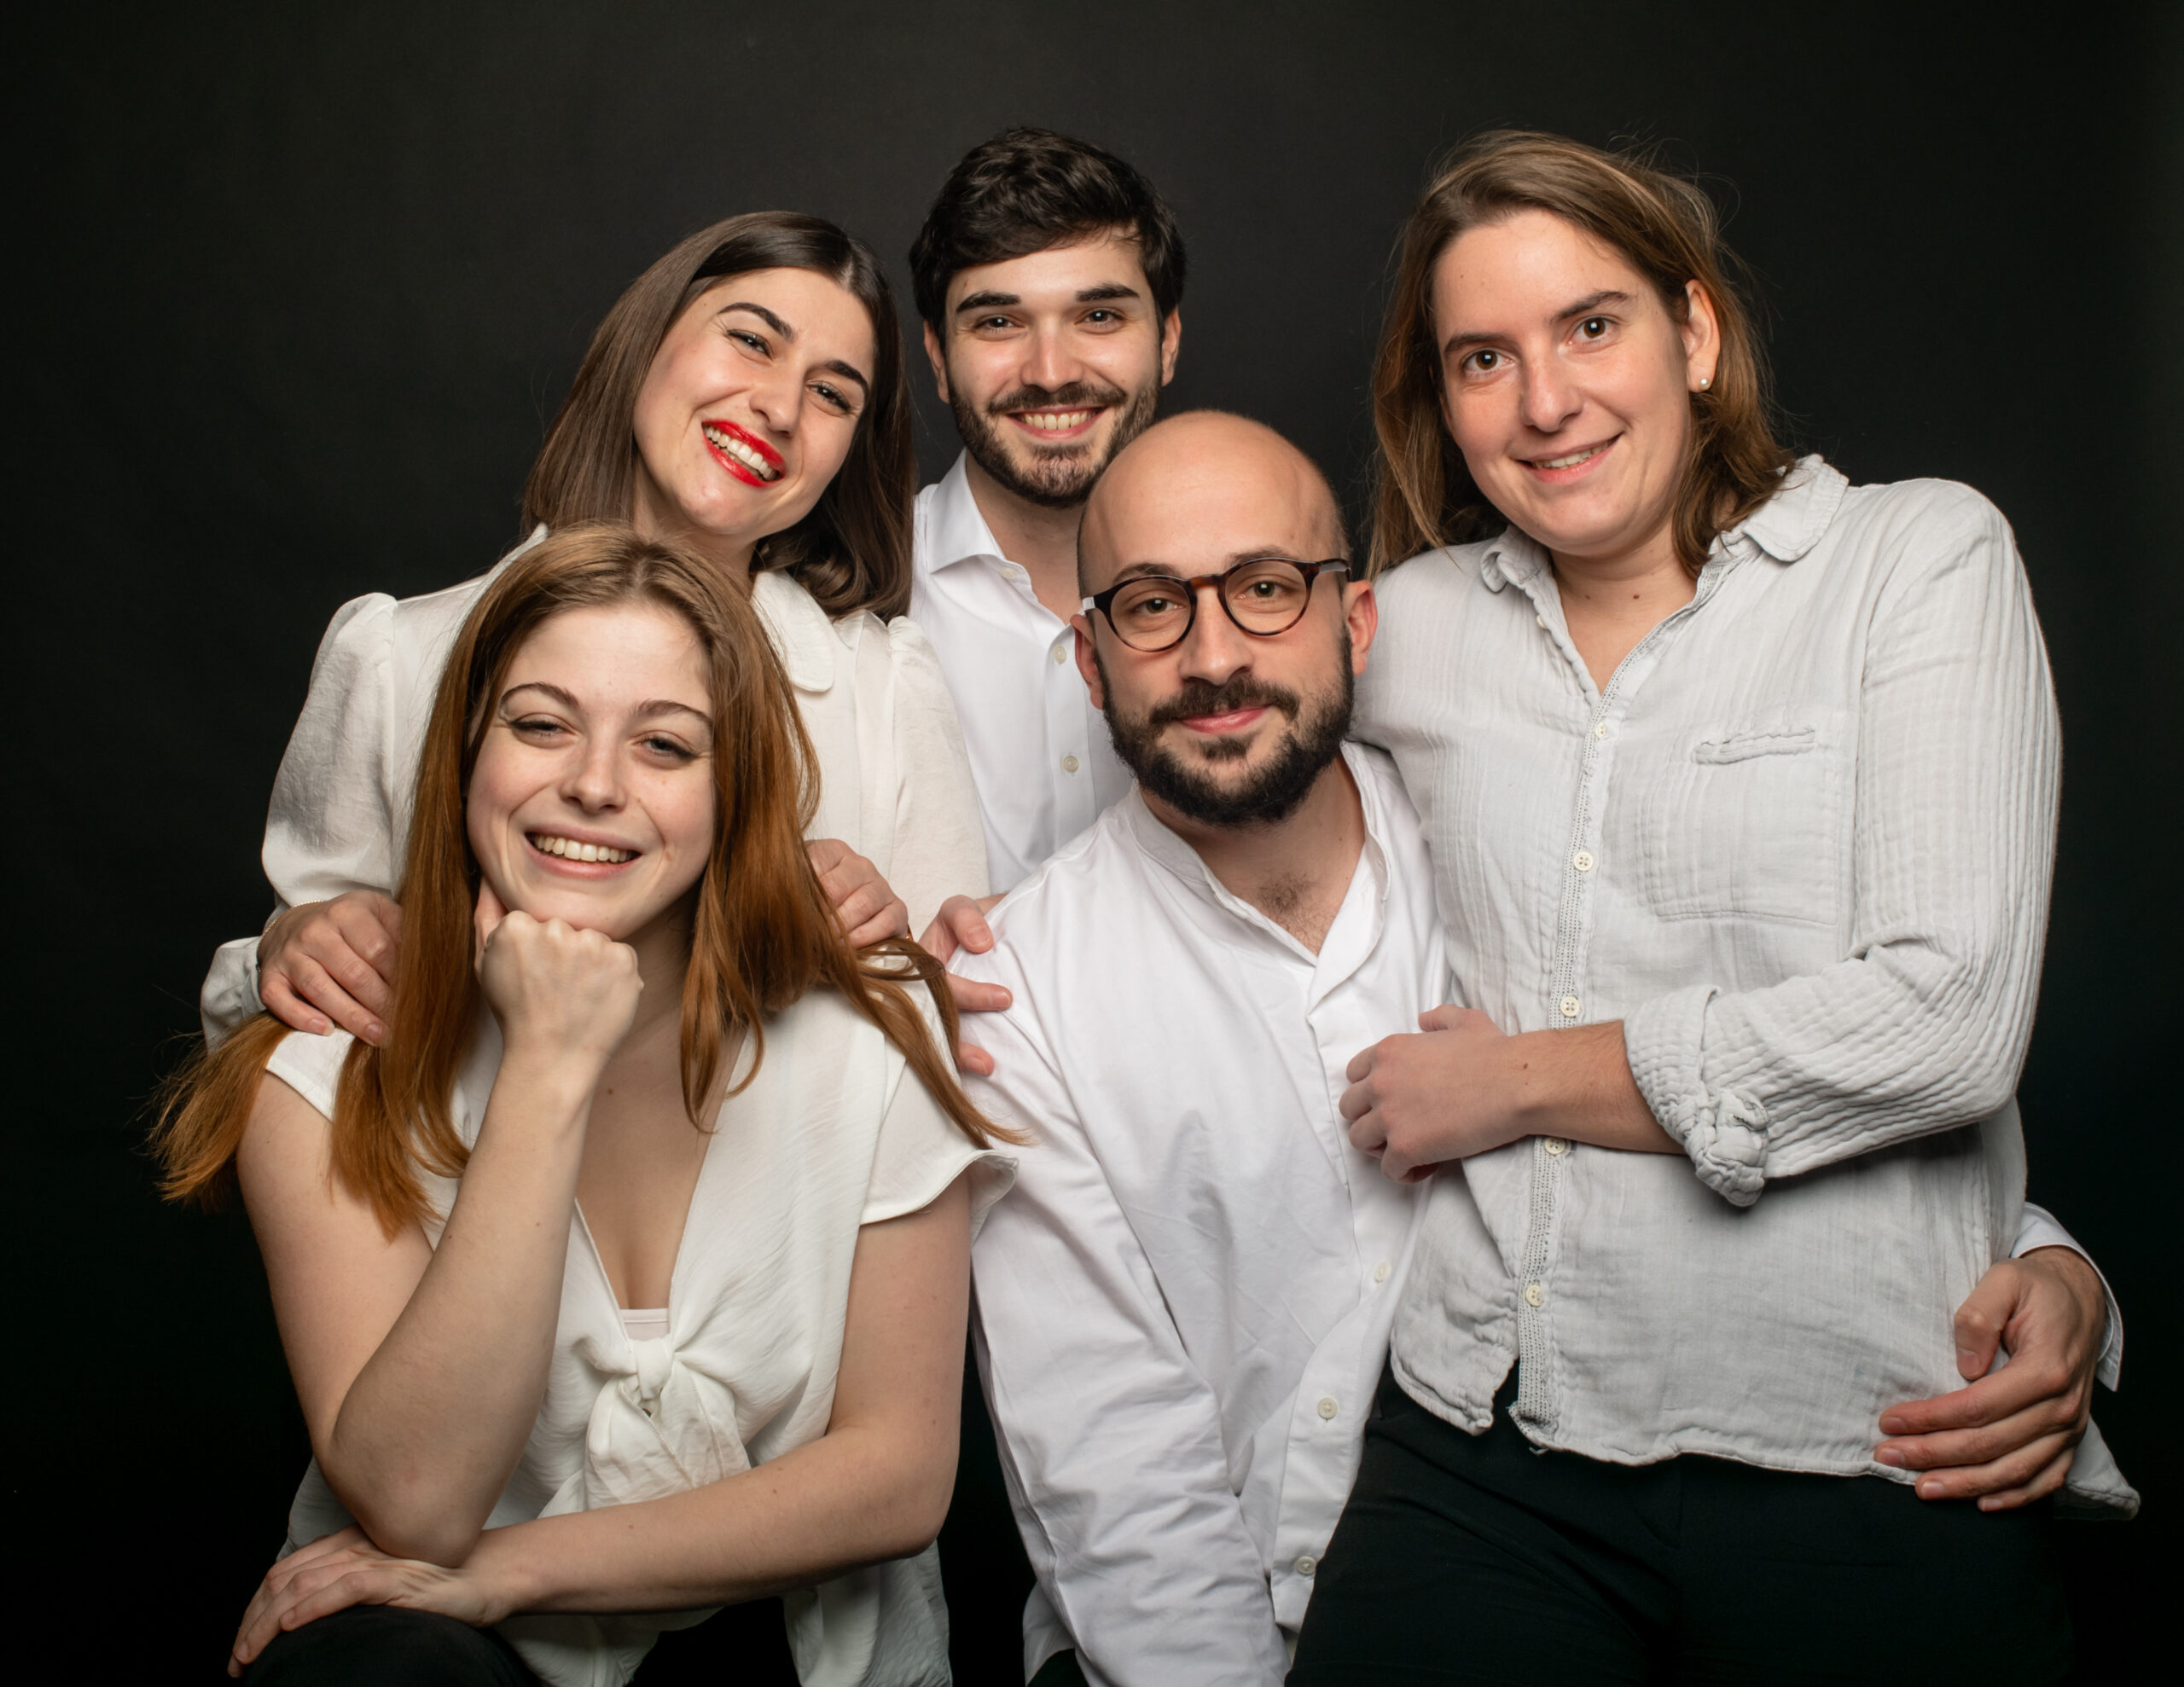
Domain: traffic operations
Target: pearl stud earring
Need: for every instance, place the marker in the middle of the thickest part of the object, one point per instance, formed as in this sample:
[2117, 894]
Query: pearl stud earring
[1706, 381]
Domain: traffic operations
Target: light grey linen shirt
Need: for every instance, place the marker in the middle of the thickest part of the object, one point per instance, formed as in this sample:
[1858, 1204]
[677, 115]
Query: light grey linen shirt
[1800, 847]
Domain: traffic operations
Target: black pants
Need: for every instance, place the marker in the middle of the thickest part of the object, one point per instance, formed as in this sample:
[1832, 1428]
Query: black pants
[384, 1646]
[1464, 1558]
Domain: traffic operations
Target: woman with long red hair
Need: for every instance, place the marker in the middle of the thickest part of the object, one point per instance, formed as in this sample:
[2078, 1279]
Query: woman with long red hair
[654, 1183]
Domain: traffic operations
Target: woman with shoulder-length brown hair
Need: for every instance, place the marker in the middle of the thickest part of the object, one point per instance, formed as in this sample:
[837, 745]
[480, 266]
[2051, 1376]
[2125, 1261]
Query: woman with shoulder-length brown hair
[745, 398]
[1739, 783]
[652, 1179]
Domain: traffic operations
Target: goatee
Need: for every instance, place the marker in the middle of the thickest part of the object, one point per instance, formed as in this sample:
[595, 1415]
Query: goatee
[1058, 476]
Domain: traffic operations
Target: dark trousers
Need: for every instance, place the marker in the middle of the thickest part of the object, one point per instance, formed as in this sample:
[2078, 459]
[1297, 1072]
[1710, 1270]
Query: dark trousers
[1463, 1558]
[384, 1646]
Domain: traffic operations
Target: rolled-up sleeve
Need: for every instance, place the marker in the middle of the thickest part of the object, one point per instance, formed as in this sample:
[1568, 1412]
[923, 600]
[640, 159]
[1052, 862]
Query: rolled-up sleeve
[330, 825]
[1922, 1026]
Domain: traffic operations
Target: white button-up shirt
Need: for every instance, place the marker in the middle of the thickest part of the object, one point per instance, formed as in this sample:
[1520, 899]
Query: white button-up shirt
[1183, 1308]
[1800, 846]
[1041, 759]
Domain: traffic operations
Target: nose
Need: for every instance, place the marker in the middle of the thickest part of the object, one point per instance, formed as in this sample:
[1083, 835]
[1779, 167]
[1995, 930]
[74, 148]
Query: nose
[776, 398]
[593, 781]
[1049, 361]
[1550, 398]
[1215, 646]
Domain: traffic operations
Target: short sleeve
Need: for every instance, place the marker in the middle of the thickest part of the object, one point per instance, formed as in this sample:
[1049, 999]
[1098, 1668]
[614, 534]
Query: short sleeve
[922, 1152]
[311, 1066]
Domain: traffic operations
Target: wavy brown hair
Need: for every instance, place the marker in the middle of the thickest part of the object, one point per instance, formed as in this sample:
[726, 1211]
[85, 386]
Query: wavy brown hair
[852, 551]
[763, 933]
[1664, 228]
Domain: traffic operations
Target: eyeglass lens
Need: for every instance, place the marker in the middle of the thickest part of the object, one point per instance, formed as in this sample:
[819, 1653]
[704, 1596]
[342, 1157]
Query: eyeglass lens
[1264, 597]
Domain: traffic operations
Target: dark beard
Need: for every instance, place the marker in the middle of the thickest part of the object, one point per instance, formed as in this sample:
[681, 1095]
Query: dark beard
[1060, 476]
[1269, 796]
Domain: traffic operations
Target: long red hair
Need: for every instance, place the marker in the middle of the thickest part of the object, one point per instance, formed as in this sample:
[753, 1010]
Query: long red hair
[762, 936]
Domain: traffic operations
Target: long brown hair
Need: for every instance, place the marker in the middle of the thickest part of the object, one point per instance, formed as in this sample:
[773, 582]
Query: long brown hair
[762, 934]
[852, 551]
[1668, 231]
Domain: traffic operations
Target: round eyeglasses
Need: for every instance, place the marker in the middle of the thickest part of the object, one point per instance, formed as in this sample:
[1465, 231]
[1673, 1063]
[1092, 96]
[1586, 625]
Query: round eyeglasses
[1265, 596]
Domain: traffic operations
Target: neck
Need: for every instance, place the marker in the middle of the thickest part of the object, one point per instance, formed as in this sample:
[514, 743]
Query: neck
[1296, 870]
[1611, 601]
[663, 949]
[1041, 539]
[655, 517]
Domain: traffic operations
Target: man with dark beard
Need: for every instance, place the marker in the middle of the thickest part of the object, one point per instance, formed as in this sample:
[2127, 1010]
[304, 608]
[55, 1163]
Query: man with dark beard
[1050, 277]
[1182, 1306]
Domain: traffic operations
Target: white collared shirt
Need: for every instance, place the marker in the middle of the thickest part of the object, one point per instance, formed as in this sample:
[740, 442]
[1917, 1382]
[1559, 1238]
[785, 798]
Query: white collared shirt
[1799, 846]
[1041, 759]
[1183, 1308]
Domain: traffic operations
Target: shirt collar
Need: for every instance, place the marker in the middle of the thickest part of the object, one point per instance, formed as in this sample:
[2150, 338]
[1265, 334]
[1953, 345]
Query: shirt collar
[799, 629]
[958, 532]
[1785, 527]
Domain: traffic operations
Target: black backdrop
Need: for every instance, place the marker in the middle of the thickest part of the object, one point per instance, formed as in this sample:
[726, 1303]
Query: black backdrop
[297, 287]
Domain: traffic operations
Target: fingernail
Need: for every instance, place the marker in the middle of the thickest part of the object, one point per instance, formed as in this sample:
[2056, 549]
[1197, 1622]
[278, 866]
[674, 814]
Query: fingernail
[1931, 1487]
[1888, 1455]
[375, 1033]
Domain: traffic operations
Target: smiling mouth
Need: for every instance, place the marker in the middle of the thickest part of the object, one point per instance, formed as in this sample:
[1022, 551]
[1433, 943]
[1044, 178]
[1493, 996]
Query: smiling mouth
[743, 451]
[568, 849]
[1574, 460]
[1053, 421]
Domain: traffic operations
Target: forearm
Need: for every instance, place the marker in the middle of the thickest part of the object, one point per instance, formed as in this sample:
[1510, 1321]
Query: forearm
[429, 1431]
[1576, 1085]
[856, 1496]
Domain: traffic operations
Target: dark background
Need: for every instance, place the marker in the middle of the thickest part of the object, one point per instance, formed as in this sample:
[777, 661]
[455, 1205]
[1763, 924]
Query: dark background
[297, 288]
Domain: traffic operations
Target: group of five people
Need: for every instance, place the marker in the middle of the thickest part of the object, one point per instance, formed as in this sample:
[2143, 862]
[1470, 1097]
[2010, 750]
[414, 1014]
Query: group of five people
[1480, 1135]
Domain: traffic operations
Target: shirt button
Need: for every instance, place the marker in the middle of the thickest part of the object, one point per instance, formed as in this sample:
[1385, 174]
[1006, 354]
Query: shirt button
[1307, 1564]
[1555, 1144]
[1534, 1294]
[1600, 730]
[1582, 860]
[1060, 654]
[1569, 1007]
[1327, 1407]
[1069, 764]
[1539, 620]
[1380, 1271]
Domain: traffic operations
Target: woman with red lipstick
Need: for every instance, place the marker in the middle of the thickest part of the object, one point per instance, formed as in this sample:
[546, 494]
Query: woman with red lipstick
[744, 397]
[1740, 785]
[630, 1273]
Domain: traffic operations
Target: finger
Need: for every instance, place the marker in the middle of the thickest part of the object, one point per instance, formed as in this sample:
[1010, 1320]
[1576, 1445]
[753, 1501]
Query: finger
[1986, 1312]
[970, 1058]
[968, 922]
[311, 982]
[1971, 1481]
[389, 914]
[1357, 1101]
[1981, 1445]
[1367, 1132]
[362, 927]
[975, 995]
[1361, 1064]
[1441, 1019]
[290, 1009]
[2052, 1476]
[366, 1585]
[365, 983]
[486, 919]
[827, 855]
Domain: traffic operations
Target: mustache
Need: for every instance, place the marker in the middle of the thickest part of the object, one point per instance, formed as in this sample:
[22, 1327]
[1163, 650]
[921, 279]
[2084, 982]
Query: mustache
[1075, 394]
[1238, 691]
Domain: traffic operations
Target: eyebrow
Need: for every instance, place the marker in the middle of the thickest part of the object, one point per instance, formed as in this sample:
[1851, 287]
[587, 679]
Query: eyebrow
[1583, 307]
[644, 711]
[1169, 570]
[835, 365]
[1094, 295]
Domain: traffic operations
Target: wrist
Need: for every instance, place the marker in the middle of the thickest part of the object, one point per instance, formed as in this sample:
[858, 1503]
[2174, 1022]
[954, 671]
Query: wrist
[556, 1079]
[502, 1575]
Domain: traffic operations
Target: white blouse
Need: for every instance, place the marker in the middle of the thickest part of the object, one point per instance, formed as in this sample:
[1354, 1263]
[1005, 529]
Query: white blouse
[834, 1133]
[895, 784]
[1799, 845]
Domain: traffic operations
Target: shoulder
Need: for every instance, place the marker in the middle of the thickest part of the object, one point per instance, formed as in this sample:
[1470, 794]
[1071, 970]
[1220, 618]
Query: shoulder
[1431, 574]
[1060, 902]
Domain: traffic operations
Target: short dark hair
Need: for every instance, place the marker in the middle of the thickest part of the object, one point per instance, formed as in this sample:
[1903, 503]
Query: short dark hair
[1028, 189]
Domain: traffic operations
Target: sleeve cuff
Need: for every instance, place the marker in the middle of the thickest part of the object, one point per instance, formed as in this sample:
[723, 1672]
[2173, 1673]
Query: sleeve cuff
[231, 992]
[2037, 1227]
[1724, 1131]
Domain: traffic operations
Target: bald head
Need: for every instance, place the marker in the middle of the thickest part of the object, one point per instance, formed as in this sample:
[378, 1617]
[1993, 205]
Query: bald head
[1199, 491]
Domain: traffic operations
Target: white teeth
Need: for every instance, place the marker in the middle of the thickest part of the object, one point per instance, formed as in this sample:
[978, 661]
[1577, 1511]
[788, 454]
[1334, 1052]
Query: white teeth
[569, 850]
[1054, 421]
[743, 453]
[1573, 462]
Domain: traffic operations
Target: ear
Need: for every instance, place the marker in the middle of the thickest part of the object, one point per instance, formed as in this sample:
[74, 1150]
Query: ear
[1702, 337]
[1171, 340]
[1360, 615]
[939, 362]
[1087, 664]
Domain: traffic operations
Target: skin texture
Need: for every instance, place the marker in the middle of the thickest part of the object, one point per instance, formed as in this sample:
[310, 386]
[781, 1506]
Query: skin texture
[1553, 346]
[420, 1368]
[784, 354]
[1070, 328]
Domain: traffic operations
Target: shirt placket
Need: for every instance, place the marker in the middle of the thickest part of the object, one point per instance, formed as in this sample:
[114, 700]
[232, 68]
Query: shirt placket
[1605, 715]
[1066, 704]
